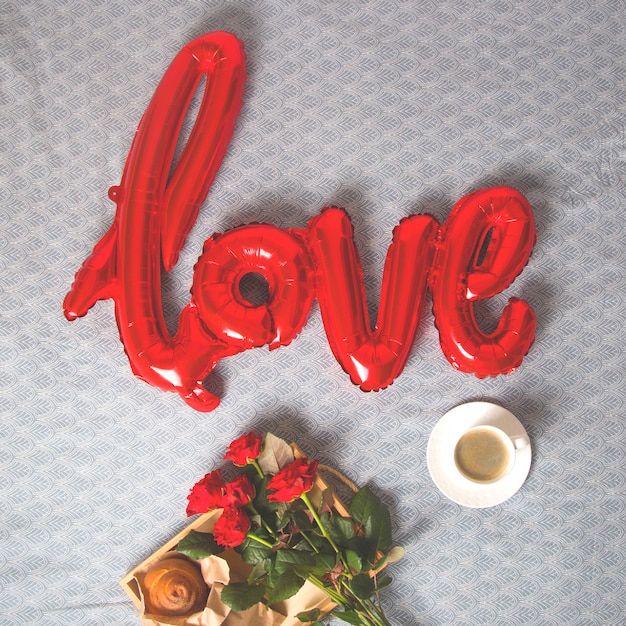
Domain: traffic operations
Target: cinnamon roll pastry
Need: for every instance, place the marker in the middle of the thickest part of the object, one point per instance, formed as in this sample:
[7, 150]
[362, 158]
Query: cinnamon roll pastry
[174, 587]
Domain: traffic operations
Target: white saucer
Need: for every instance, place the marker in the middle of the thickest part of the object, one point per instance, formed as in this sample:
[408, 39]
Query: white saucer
[441, 448]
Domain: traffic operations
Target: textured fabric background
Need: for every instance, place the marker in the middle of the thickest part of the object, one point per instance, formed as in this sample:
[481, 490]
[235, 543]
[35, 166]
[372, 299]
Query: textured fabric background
[385, 109]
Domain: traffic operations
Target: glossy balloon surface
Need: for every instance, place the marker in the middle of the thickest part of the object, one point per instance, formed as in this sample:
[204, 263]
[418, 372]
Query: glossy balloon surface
[484, 244]
[476, 254]
[275, 256]
[372, 357]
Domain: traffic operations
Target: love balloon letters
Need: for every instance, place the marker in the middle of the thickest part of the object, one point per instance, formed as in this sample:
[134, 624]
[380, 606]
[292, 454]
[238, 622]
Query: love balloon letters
[485, 243]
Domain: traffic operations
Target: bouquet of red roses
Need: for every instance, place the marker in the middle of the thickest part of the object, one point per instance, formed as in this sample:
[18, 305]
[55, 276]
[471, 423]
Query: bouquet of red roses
[289, 532]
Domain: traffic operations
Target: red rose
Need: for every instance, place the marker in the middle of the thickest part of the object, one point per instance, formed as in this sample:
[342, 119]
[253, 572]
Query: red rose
[245, 449]
[238, 492]
[231, 527]
[206, 494]
[292, 481]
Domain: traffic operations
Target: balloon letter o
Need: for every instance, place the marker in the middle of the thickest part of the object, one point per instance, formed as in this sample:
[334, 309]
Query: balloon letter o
[280, 259]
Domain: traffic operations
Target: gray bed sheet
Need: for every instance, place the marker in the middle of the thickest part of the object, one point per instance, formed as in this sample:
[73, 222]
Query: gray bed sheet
[386, 109]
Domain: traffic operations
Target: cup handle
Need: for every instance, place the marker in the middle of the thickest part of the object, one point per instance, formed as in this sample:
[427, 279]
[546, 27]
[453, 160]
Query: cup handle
[520, 442]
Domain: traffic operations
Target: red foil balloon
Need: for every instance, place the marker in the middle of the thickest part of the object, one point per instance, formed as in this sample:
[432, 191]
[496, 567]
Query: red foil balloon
[153, 218]
[276, 256]
[482, 247]
[372, 358]
[485, 243]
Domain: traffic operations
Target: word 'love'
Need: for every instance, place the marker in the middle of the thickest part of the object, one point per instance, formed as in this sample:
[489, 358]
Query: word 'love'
[485, 243]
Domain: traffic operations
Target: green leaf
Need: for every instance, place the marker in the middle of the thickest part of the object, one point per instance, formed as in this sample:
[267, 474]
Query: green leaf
[341, 529]
[323, 563]
[253, 552]
[283, 515]
[285, 586]
[198, 545]
[362, 505]
[378, 529]
[257, 573]
[366, 549]
[320, 542]
[382, 582]
[354, 561]
[241, 596]
[303, 521]
[292, 560]
[350, 617]
[362, 586]
[275, 455]
[261, 504]
[368, 510]
[309, 616]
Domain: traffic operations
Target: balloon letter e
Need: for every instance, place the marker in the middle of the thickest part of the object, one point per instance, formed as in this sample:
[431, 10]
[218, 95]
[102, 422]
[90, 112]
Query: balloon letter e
[485, 243]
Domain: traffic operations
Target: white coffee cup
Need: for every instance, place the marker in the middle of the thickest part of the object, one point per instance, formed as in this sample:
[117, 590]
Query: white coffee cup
[485, 454]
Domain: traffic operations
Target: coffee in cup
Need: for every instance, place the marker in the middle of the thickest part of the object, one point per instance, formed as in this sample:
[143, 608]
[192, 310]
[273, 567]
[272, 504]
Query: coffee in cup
[485, 454]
